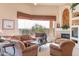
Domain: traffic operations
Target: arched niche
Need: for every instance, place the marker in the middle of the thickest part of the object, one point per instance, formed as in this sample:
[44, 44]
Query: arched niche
[65, 17]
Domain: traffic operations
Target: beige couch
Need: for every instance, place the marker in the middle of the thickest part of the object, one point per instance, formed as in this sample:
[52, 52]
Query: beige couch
[63, 47]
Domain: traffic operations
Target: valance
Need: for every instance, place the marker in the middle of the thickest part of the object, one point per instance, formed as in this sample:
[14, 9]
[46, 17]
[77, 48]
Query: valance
[22, 15]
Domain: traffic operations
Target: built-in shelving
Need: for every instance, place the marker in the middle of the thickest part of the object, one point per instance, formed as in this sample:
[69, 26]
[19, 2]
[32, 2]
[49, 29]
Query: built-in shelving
[75, 18]
[75, 24]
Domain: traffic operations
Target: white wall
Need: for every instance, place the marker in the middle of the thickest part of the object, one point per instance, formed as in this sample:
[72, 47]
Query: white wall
[9, 11]
[59, 19]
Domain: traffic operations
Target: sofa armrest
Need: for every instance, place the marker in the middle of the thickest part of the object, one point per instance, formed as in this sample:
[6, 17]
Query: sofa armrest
[31, 51]
[55, 47]
[55, 50]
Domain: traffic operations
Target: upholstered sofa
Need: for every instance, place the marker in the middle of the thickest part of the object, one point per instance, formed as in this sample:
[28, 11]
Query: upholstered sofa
[22, 37]
[61, 47]
[31, 50]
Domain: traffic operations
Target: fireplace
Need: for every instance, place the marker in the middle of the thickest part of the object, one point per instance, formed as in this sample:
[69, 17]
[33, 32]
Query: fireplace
[63, 35]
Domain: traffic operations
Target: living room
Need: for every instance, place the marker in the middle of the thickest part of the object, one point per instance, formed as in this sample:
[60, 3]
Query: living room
[49, 23]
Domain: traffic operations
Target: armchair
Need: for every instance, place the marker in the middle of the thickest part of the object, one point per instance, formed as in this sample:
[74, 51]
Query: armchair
[31, 50]
[65, 48]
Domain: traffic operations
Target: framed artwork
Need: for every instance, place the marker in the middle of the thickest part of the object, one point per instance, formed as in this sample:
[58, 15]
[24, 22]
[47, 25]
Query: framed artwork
[58, 25]
[8, 24]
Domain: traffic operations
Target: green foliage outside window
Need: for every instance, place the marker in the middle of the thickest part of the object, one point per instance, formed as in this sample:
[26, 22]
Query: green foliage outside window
[38, 28]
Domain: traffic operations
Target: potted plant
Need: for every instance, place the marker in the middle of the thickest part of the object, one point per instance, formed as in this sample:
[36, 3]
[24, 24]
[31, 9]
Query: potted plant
[73, 6]
[65, 29]
[65, 26]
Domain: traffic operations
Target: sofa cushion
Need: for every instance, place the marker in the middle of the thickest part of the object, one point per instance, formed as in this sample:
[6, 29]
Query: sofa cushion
[14, 37]
[56, 45]
[25, 37]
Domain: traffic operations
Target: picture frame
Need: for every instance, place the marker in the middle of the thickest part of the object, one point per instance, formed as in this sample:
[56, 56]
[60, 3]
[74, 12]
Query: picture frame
[8, 24]
[58, 25]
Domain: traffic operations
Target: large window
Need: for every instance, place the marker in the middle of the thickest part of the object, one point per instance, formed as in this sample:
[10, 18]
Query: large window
[29, 26]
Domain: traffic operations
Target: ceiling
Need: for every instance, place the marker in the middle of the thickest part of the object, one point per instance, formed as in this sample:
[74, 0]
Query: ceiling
[50, 4]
